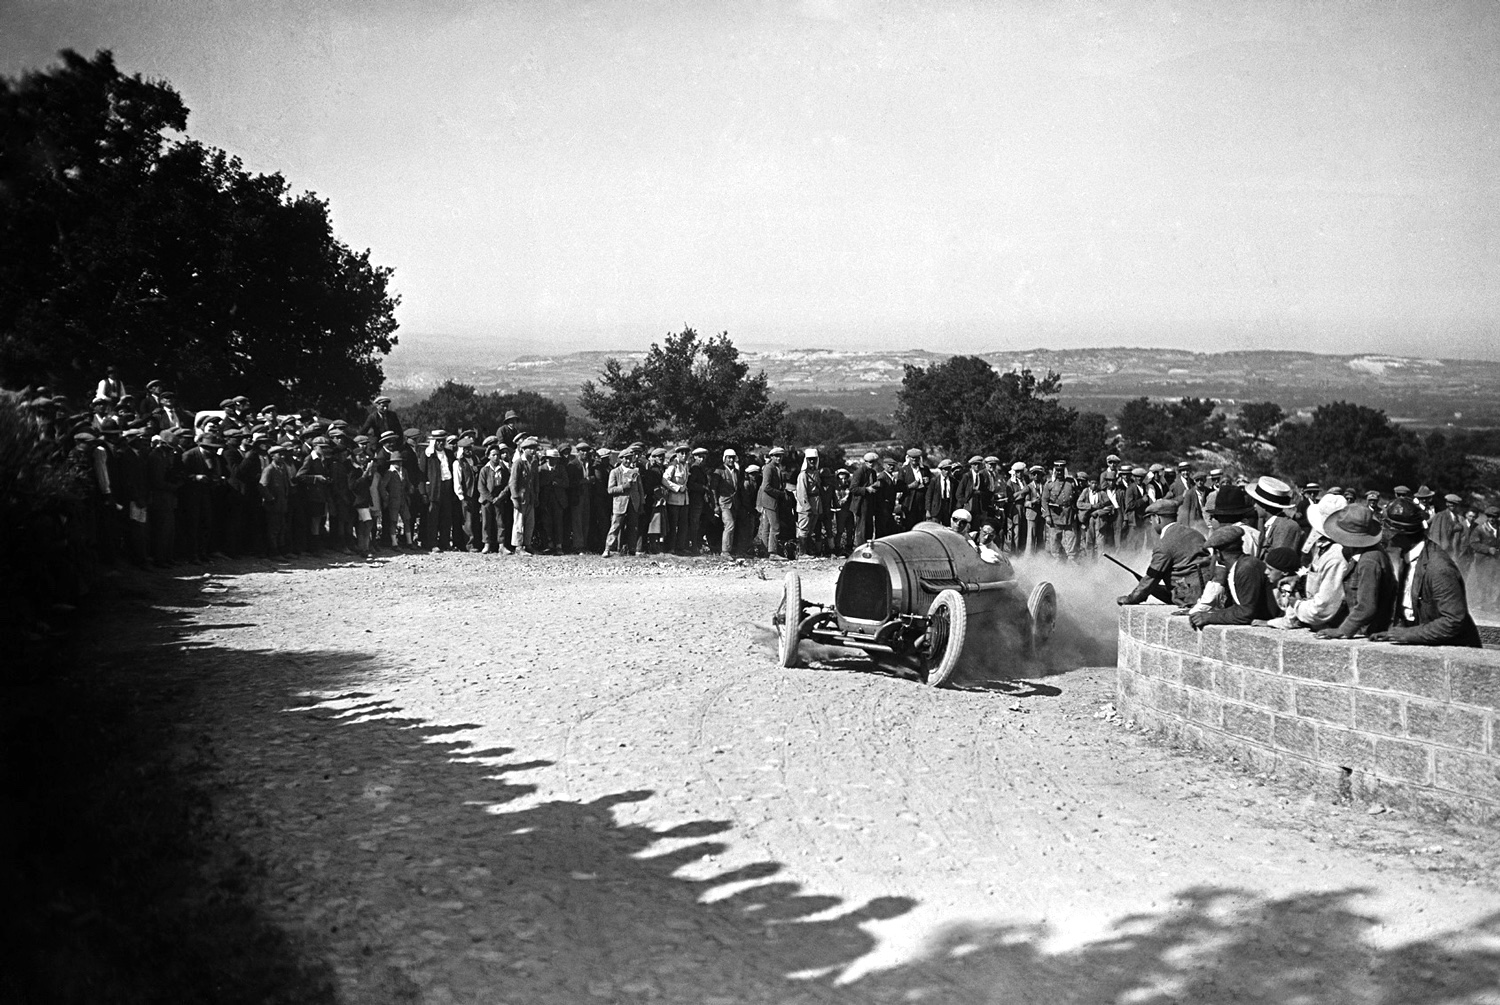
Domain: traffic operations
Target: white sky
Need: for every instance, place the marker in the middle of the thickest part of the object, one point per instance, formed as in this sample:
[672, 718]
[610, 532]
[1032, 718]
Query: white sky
[833, 172]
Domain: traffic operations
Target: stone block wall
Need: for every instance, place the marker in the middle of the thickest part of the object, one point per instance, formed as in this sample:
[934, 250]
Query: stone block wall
[1417, 727]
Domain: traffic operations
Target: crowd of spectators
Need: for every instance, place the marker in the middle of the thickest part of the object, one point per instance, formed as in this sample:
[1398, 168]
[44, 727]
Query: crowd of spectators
[162, 485]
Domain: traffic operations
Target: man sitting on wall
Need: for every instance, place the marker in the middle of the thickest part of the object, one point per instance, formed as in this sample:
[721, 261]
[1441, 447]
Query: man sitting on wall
[1179, 562]
[1242, 580]
[1431, 608]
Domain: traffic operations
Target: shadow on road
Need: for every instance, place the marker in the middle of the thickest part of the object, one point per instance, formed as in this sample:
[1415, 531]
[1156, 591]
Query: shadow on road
[209, 836]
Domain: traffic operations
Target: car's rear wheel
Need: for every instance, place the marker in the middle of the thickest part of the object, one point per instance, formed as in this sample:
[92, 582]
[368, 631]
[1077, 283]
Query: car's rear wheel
[947, 624]
[788, 616]
[1043, 608]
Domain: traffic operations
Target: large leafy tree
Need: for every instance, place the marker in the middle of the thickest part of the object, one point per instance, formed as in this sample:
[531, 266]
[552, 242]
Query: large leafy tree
[687, 388]
[963, 406]
[1167, 430]
[454, 406]
[1350, 445]
[128, 243]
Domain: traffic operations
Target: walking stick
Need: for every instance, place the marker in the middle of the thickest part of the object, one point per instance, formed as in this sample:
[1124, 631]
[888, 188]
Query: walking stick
[1127, 568]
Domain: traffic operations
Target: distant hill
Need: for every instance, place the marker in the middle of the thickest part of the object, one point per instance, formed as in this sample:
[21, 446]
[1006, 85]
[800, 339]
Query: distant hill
[1416, 391]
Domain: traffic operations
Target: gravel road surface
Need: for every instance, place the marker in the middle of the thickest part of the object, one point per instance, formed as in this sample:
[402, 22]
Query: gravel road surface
[493, 779]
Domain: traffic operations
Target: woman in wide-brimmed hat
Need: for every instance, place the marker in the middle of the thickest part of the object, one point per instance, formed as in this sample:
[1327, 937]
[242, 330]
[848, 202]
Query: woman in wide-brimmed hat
[1318, 597]
[1369, 581]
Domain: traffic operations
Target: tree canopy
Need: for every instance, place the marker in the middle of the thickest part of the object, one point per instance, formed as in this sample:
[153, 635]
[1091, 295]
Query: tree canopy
[1356, 446]
[453, 406]
[813, 426]
[687, 388]
[963, 407]
[129, 243]
[1167, 430]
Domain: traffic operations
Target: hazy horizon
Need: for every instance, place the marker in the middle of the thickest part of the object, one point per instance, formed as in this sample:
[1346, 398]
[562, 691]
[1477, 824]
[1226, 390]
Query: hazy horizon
[967, 176]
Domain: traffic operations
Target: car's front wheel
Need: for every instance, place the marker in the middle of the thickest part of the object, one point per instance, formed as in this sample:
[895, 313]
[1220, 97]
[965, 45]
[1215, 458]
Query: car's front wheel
[787, 619]
[947, 625]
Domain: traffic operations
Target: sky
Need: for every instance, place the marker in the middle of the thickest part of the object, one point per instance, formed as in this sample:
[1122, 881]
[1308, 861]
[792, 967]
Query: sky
[842, 173]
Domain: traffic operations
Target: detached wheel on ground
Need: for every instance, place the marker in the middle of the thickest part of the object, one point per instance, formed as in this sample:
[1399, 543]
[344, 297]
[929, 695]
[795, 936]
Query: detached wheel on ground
[947, 625]
[1043, 608]
[787, 618]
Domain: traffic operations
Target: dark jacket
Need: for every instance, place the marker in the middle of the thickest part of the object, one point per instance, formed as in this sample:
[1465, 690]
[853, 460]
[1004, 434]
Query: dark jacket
[1369, 593]
[1441, 606]
[1247, 594]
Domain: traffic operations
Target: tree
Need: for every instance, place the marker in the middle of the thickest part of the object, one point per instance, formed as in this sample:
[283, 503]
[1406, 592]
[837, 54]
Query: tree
[1168, 430]
[1259, 420]
[1350, 445]
[1089, 449]
[127, 246]
[812, 426]
[963, 407]
[454, 406]
[686, 388]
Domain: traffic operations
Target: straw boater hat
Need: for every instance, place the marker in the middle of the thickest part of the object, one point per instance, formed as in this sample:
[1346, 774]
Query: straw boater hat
[1354, 525]
[1272, 493]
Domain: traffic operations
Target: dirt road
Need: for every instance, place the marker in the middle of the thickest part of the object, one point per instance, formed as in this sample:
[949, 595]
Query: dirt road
[489, 779]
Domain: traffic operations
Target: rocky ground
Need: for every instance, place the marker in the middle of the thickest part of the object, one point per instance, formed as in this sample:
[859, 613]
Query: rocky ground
[465, 778]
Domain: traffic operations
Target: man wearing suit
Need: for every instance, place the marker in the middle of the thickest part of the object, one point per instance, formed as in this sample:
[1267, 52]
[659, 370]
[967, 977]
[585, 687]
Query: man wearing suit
[887, 489]
[973, 491]
[523, 495]
[1446, 528]
[724, 488]
[202, 474]
[627, 497]
[1058, 498]
[768, 501]
[438, 471]
[863, 489]
[1018, 486]
[911, 490]
[941, 493]
[381, 420]
[1431, 608]
[1190, 504]
[1036, 508]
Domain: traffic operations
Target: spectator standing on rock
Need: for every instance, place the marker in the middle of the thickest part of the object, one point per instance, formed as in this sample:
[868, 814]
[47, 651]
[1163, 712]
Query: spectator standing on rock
[1178, 570]
[381, 420]
[1369, 582]
[111, 388]
[1245, 590]
[508, 433]
[769, 500]
[1431, 606]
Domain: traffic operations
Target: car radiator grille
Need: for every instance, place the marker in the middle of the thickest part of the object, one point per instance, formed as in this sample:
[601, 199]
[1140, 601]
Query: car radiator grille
[864, 592]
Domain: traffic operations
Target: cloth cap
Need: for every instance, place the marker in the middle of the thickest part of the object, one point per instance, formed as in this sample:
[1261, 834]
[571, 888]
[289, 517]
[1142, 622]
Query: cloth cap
[810, 452]
[700, 451]
[1112, 459]
[1403, 490]
[1227, 537]
[976, 459]
[1139, 471]
[1453, 499]
[1158, 467]
[552, 452]
[730, 452]
[775, 452]
[871, 456]
[384, 399]
[1284, 559]
[1036, 469]
[913, 452]
[962, 514]
[751, 469]
[530, 441]
[1354, 525]
[1162, 507]
[1492, 511]
[583, 445]
[1018, 466]
[490, 440]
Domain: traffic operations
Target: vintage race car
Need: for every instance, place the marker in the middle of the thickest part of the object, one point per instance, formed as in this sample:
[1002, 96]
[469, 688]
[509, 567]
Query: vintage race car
[916, 598]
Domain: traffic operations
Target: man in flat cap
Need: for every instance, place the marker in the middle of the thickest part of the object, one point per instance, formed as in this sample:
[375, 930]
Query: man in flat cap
[382, 419]
[1179, 566]
[524, 489]
[725, 482]
[768, 500]
[627, 500]
[1445, 529]
[863, 478]
[1244, 591]
[1189, 497]
[275, 498]
[974, 491]
[700, 499]
[1059, 497]
[911, 491]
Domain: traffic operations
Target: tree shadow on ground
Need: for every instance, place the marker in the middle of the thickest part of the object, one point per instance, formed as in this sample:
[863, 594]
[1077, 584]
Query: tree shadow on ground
[337, 849]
